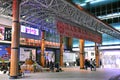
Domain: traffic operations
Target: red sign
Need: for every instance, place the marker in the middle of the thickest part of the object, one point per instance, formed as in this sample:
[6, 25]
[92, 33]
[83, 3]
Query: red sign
[78, 32]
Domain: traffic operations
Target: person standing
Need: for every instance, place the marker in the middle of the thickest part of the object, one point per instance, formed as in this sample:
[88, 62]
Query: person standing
[9, 67]
[86, 64]
[51, 66]
[91, 64]
[94, 64]
[101, 66]
[52, 63]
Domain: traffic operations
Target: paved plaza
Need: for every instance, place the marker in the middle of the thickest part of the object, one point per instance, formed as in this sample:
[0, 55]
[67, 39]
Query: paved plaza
[73, 73]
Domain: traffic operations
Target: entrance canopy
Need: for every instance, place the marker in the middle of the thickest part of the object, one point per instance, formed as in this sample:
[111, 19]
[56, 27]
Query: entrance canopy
[45, 14]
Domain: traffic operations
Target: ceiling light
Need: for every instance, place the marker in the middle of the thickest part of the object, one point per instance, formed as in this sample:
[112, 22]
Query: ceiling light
[113, 15]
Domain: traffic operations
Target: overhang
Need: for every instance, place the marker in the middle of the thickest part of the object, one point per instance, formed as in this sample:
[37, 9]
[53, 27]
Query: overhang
[45, 13]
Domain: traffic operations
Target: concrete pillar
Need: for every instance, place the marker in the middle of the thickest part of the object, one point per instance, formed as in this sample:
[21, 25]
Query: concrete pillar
[42, 59]
[15, 40]
[61, 50]
[97, 57]
[81, 41]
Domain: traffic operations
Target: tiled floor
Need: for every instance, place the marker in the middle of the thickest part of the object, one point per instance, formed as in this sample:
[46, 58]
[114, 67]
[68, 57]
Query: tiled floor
[73, 73]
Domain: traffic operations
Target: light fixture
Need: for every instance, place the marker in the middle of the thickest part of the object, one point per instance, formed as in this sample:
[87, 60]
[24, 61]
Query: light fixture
[113, 15]
[90, 1]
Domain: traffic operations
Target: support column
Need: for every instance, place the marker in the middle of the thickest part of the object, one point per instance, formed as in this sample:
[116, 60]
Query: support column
[97, 57]
[15, 40]
[81, 53]
[61, 50]
[42, 49]
[69, 43]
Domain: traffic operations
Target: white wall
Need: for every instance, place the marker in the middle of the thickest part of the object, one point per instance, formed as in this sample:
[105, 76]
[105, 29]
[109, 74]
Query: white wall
[89, 55]
[5, 21]
[111, 58]
[69, 57]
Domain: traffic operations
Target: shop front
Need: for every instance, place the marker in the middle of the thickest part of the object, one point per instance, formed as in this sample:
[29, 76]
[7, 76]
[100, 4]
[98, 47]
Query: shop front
[49, 55]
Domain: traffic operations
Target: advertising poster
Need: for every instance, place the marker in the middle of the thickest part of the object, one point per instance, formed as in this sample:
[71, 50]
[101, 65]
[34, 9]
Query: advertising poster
[26, 52]
[5, 51]
[7, 34]
[1, 33]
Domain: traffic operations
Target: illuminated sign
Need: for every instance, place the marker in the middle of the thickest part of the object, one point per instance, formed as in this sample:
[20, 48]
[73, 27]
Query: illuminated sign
[29, 30]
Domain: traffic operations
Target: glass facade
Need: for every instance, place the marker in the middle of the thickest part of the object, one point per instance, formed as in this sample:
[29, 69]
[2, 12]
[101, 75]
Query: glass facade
[52, 36]
[108, 12]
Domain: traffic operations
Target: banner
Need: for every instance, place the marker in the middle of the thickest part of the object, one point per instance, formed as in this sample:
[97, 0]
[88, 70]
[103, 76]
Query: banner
[78, 32]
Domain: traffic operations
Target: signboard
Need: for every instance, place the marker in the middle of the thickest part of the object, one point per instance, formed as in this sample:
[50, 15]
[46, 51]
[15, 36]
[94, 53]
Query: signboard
[78, 32]
[30, 32]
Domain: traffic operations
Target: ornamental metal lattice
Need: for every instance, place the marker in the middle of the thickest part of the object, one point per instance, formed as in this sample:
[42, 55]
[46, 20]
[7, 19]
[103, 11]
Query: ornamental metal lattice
[44, 13]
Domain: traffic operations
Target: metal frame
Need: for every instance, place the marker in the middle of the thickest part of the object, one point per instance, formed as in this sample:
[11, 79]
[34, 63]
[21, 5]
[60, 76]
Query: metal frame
[35, 12]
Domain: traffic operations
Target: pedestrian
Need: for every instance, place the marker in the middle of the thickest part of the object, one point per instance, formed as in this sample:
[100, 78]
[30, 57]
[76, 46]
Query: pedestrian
[94, 64]
[51, 66]
[9, 67]
[101, 64]
[86, 64]
[91, 64]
